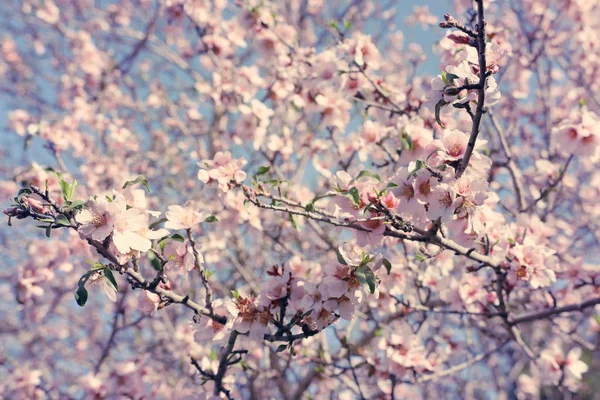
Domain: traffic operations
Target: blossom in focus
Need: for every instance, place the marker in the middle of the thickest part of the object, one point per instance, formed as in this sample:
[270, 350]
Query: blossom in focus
[131, 231]
[97, 219]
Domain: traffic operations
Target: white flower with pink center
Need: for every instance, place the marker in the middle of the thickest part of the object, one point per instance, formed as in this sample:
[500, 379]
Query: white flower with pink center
[580, 134]
[180, 257]
[443, 203]
[97, 219]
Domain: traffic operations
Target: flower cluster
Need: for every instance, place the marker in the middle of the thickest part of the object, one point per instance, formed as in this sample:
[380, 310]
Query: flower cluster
[222, 169]
[123, 220]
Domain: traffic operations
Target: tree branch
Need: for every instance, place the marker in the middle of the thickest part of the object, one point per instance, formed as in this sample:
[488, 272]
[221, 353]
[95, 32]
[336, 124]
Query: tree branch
[553, 311]
[481, 42]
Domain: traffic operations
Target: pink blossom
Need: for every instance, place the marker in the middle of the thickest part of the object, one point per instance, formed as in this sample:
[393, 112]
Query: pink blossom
[362, 51]
[148, 302]
[97, 219]
[131, 231]
[180, 257]
[184, 217]
[222, 169]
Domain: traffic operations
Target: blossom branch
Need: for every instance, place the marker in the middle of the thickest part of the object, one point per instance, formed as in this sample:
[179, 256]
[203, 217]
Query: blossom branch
[554, 311]
[481, 44]
[202, 271]
[223, 364]
[424, 235]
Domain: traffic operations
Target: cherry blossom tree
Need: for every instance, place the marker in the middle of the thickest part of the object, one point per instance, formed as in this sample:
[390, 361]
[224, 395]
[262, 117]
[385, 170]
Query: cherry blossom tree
[274, 199]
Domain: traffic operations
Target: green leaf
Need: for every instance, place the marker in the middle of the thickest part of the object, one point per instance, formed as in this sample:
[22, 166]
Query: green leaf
[109, 278]
[235, 294]
[263, 170]
[281, 348]
[438, 108]
[294, 222]
[390, 185]
[333, 24]
[388, 265]
[369, 174]
[81, 296]
[420, 257]
[177, 237]
[23, 192]
[419, 165]
[72, 205]
[62, 219]
[448, 78]
[366, 258]
[64, 186]
[48, 230]
[95, 265]
[406, 142]
[139, 180]
[71, 190]
[311, 205]
[212, 218]
[355, 196]
[366, 277]
[340, 258]
[156, 223]
[347, 24]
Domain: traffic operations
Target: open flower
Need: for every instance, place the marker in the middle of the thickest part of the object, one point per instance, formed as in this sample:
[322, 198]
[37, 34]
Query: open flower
[131, 231]
[97, 219]
[222, 169]
[184, 217]
[148, 302]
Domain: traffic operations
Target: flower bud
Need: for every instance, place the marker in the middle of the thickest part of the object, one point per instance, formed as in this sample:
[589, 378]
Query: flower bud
[11, 212]
[450, 19]
[15, 212]
[34, 204]
[459, 38]
[373, 198]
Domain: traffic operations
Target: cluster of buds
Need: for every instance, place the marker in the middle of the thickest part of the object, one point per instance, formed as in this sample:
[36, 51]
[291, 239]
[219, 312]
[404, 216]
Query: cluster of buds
[25, 207]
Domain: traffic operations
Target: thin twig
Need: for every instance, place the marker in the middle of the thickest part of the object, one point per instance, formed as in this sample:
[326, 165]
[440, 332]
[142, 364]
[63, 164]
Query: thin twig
[466, 364]
[512, 167]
